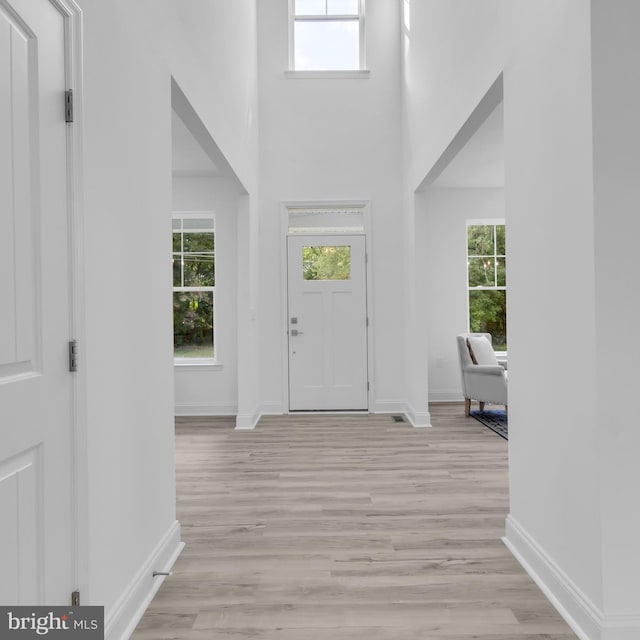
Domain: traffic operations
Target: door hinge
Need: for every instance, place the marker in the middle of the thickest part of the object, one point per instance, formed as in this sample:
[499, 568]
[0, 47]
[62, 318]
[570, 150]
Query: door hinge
[68, 106]
[367, 385]
[367, 319]
[75, 598]
[73, 355]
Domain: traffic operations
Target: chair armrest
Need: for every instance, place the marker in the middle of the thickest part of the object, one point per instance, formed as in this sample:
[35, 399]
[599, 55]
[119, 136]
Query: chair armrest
[484, 369]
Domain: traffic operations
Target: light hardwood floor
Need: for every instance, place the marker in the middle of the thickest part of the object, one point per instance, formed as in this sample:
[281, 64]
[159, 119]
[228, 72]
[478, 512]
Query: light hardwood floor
[345, 528]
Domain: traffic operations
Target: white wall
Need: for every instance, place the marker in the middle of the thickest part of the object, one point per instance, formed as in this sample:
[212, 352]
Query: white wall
[131, 50]
[213, 57]
[202, 389]
[549, 201]
[573, 459]
[333, 139]
[127, 170]
[453, 52]
[441, 235]
[615, 49]
[214, 61]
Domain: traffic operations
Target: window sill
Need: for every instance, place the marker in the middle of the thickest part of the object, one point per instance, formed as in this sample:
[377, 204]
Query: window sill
[356, 74]
[197, 365]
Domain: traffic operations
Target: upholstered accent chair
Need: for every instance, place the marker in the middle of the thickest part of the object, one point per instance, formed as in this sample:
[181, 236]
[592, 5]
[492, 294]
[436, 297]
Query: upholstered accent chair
[483, 378]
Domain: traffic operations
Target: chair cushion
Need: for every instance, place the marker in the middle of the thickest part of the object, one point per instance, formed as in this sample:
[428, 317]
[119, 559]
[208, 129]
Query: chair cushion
[481, 351]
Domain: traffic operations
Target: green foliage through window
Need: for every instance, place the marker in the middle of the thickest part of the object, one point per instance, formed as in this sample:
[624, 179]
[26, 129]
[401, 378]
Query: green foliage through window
[487, 282]
[326, 263]
[193, 287]
[193, 324]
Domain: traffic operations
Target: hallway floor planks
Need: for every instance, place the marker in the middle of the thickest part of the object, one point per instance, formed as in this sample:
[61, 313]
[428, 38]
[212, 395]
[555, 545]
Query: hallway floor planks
[345, 527]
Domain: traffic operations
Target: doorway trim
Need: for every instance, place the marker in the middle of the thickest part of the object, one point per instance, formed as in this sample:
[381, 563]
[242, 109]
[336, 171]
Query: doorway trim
[73, 44]
[328, 205]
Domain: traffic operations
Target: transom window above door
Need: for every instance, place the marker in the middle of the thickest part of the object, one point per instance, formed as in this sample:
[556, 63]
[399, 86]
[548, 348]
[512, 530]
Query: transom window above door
[327, 35]
[326, 218]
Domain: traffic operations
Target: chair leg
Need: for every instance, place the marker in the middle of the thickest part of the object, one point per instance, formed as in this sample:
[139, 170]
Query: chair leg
[467, 407]
[482, 406]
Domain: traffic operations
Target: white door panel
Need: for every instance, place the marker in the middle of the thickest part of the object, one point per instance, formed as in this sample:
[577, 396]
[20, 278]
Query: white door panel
[36, 390]
[327, 328]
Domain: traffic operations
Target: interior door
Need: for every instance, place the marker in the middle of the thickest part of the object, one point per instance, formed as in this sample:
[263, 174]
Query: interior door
[36, 390]
[327, 323]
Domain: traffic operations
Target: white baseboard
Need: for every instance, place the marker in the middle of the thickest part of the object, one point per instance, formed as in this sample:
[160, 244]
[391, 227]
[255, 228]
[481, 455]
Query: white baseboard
[247, 421]
[580, 613]
[621, 627]
[389, 406]
[454, 395]
[122, 620]
[418, 419]
[273, 409]
[205, 409]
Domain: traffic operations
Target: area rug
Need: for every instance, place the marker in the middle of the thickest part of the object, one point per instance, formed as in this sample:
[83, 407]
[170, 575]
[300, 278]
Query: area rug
[495, 419]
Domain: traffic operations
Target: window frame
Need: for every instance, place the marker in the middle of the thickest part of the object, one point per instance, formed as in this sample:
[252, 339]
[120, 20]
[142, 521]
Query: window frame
[360, 17]
[484, 222]
[197, 215]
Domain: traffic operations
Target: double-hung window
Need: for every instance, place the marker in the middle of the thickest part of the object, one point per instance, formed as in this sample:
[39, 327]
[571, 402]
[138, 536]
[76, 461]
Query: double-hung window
[194, 279]
[327, 35]
[487, 281]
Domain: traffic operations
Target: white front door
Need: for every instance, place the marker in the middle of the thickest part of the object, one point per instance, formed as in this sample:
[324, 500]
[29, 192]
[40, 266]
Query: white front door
[36, 389]
[327, 323]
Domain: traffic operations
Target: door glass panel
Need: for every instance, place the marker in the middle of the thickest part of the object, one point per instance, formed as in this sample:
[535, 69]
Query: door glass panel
[326, 263]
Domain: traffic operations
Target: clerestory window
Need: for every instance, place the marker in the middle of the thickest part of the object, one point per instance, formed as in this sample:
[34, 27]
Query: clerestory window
[487, 281]
[194, 279]
[327, 35]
